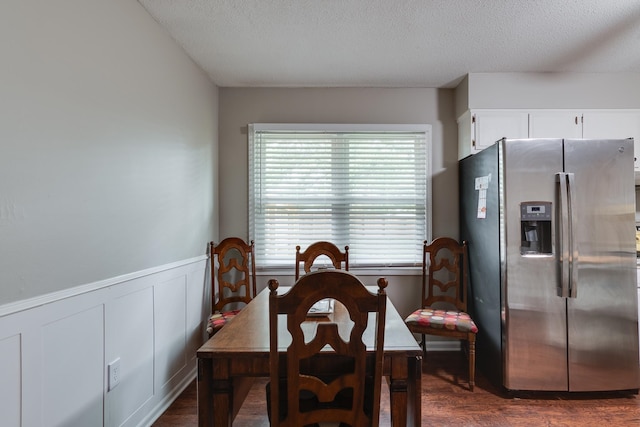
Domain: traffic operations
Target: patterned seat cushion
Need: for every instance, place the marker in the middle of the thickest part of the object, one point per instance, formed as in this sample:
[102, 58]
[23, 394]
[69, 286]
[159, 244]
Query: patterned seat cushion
[219, 319]
[442, 319]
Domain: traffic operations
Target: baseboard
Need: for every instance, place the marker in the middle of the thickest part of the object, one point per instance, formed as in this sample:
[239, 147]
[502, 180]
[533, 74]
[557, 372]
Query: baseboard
[443, 345]
[166, 402]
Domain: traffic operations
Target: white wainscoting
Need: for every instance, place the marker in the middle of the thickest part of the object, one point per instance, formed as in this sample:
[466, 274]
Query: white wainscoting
[55, 349]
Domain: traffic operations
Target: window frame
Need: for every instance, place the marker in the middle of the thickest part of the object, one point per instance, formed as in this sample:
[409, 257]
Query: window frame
[424, 129]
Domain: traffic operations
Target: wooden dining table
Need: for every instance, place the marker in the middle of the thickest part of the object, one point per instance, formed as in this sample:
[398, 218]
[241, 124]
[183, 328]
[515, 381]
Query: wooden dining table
[238, 353]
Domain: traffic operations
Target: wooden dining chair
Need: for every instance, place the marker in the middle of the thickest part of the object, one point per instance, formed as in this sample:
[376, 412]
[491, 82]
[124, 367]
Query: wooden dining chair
[233, 280]
[306, 395]
[443, 310]
[321, 250]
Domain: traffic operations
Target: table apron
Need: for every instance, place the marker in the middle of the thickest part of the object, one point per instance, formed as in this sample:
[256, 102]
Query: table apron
[257, 365]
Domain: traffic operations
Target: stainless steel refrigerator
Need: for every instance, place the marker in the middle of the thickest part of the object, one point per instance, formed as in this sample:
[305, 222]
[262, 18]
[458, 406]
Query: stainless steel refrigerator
[552, 261]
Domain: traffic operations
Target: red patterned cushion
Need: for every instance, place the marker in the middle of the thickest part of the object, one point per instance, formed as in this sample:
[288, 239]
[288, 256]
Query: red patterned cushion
[218, 320]
[442, 319]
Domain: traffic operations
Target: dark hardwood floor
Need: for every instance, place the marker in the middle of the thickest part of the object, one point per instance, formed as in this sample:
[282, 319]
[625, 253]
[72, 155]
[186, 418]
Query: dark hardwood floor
[446, 401]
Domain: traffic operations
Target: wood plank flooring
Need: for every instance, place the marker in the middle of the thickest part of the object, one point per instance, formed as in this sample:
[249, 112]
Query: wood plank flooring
[446, 401]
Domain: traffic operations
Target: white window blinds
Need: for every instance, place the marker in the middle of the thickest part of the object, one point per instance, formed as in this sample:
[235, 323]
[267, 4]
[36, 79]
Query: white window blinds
[368, 187]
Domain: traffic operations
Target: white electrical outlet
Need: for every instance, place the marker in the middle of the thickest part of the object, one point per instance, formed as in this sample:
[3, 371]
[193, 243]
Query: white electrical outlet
[114, 373]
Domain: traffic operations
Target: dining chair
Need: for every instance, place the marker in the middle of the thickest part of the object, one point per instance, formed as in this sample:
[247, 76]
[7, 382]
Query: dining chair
[349, 392]
[233, 280]
[443, 309]
[321, 250]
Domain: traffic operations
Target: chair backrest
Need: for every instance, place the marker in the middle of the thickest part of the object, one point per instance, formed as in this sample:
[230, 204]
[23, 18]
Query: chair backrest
[444, 274]
[233, 272]
[321, 249]
[305, 377]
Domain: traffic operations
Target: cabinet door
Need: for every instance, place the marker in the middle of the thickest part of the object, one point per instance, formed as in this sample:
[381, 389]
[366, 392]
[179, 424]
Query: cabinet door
[490, 126]
[614, 124]
[555, 124]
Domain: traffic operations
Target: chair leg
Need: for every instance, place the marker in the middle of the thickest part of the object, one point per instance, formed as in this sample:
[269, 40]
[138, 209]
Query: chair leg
[423, 344]
[472, 362]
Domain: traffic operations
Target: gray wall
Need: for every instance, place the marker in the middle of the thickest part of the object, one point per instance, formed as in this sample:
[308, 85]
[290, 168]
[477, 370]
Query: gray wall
[239, 107]
[108, 141]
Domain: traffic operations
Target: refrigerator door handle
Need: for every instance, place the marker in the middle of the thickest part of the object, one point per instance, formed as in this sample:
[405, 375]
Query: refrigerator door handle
[562, 231]
[567, 242]
[573, 240]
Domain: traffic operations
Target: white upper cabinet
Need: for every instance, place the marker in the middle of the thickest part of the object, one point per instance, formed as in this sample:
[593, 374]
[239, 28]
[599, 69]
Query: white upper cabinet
[555, 124]
[478, 130]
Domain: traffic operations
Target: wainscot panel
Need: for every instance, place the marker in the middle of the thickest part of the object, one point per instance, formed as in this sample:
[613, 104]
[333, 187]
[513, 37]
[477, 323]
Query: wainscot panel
[55, 350]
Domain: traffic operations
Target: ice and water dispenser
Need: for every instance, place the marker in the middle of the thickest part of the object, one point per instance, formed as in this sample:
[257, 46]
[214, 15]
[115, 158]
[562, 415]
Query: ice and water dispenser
[535, 228]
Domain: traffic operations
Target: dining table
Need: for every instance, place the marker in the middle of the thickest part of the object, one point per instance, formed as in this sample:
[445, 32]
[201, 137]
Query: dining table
[229, 362]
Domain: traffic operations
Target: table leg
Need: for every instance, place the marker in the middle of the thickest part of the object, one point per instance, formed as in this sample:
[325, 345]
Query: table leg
[398, 387]
[205, 376]
[414, 401]
[215, 394]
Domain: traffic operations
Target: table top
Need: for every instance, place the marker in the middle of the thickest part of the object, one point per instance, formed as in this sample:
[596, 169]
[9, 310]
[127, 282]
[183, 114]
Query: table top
[248, 332]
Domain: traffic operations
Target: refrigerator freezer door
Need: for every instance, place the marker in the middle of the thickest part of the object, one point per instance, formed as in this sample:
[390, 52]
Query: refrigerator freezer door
[481, 229]
[535, 317]
[602, 318]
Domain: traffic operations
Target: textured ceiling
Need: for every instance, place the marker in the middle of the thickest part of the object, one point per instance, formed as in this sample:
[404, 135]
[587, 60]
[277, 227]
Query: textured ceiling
[398, 43]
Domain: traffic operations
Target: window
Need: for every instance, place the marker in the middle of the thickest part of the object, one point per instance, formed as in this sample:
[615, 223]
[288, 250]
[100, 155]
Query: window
[366, 186]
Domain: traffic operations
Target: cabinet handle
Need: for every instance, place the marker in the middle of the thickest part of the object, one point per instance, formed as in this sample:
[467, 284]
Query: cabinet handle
[473, 122]
[576, 119]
